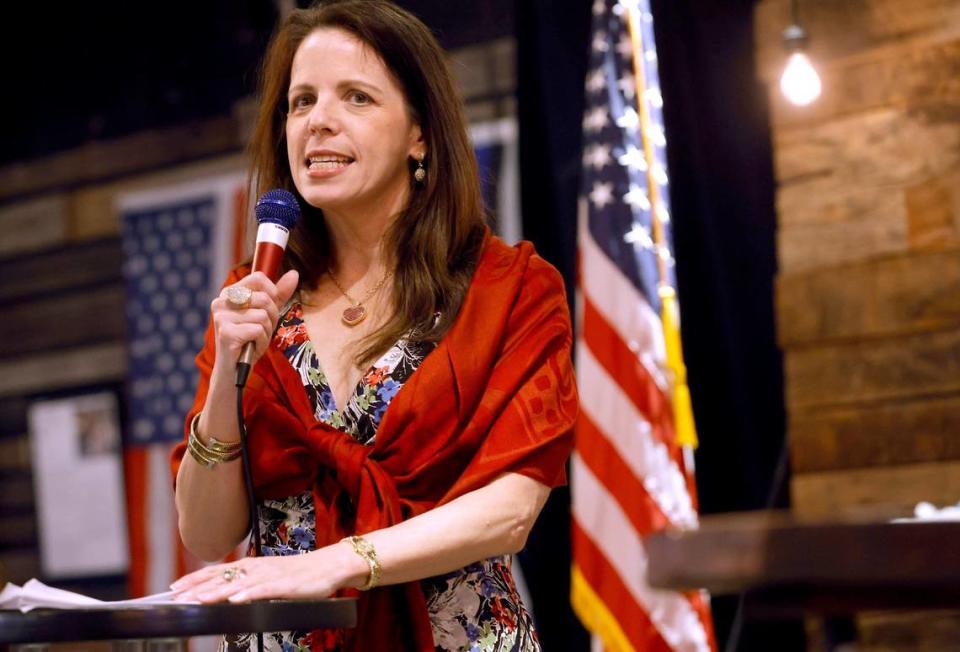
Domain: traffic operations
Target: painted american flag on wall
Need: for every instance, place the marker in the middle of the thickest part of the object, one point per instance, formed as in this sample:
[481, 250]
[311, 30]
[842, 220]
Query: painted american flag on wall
[178, 242]
[631, 473]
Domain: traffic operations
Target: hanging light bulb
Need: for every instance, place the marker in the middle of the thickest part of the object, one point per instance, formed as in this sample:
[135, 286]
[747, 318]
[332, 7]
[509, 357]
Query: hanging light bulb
[800, 82]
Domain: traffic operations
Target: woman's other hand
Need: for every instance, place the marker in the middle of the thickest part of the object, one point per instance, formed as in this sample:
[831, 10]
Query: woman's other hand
[310, 576]
[235, 325]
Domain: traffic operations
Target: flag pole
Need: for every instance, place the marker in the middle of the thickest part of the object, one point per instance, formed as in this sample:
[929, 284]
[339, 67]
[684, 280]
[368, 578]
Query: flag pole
[686, 434]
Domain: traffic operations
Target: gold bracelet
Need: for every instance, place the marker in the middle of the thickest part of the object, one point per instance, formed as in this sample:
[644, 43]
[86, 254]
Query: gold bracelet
[366, 550]
[213, 452]
[197, 453]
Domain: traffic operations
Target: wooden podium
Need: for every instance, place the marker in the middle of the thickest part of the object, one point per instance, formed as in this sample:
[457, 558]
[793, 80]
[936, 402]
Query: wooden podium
[174, 621]
[787, 566]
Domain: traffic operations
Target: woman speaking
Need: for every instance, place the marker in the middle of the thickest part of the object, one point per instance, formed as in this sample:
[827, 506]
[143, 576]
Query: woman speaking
[412, 399]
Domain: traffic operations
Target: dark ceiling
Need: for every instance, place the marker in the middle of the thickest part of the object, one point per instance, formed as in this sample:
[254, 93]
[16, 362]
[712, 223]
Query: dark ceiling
[78, 72]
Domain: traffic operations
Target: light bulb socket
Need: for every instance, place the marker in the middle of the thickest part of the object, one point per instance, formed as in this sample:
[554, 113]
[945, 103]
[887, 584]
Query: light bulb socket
[795, 38]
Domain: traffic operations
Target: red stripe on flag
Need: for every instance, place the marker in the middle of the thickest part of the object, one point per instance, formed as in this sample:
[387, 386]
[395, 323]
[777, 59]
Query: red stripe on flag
[135, 480]
[605, 463]
[606, 582]
[624, 367]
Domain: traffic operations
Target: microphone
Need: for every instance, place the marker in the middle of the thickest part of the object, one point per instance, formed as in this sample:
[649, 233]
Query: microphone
[277, 213]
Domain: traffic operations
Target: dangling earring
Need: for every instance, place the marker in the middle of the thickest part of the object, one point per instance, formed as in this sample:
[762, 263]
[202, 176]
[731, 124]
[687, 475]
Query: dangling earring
[419, 174]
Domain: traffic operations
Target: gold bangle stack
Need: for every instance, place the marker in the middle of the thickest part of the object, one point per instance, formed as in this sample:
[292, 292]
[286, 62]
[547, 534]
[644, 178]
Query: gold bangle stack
[213, 452]
[366, 550]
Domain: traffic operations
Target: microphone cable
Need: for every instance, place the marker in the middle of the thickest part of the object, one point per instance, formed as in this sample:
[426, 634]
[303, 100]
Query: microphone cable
[242, 371]
[777, 483]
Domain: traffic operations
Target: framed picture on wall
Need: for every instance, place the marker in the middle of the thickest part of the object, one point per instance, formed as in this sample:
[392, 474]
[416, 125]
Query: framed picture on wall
[78, 482]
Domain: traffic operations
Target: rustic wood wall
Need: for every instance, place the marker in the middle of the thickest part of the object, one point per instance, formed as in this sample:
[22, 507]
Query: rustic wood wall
[61, 289]
[868, 293]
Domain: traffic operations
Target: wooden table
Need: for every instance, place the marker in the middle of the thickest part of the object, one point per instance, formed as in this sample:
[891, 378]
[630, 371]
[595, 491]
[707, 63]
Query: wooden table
[174, 621]
[787, 566]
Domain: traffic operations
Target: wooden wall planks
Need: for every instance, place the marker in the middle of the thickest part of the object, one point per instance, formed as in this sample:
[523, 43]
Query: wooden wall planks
[90, 263]
[899, 294]
[85, 316]
[868, 294]
[33, 225]
[878, 148]
[851, 30]
[871, 370]
[876, 492]
[139, 153]
[885, 434]
[69, 368]
[893, 77]
[908, 632]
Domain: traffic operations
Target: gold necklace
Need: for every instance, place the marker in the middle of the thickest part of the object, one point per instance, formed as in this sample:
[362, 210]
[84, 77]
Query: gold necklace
[356, 313]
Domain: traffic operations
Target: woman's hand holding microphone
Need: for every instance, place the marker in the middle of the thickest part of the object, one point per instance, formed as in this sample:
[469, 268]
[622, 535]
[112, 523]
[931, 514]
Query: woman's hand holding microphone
[248, 311]
[212, 495]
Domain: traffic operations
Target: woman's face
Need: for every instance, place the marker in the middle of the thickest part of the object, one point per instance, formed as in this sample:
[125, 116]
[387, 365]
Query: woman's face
[349, 134]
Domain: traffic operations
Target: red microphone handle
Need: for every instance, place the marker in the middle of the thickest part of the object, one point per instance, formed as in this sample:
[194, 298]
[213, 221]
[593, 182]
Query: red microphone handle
[271, 244]
[267, 259]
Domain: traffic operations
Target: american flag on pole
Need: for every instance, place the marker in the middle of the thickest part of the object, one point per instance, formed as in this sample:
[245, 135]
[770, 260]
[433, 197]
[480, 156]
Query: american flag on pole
[178, 244]
[632, 471]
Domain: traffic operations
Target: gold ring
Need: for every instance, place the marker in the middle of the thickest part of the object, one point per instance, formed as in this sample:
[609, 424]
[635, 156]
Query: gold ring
[233, 573]
[239, 296]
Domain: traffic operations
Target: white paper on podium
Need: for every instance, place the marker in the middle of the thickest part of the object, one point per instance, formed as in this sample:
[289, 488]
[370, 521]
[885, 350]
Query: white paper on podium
[35, 594]
[928, 512]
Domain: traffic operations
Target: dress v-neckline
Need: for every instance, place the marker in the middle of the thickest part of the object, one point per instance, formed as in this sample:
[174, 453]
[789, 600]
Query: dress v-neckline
[357, 387]
[315, 363]
[361, 412]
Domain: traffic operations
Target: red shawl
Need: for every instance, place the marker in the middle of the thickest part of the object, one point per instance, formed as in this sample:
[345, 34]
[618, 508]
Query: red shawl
[496, 395]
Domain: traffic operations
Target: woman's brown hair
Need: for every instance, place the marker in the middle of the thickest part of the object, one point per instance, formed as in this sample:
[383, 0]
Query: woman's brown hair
[434, 244]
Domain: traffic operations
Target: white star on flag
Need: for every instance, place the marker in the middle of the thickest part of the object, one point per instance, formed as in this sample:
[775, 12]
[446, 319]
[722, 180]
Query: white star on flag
[662, 213]
[639, 235]
[657, 136]
[600, 43]
[596, 81]
[654, 97]
[633, 159]
[596, 119]
[597, 156]
[629, 120]
[637, 198]
[659, 174]
[665, 255]
[602, 194]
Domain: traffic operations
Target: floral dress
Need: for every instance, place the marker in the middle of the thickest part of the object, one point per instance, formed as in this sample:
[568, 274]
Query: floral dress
[473, 609]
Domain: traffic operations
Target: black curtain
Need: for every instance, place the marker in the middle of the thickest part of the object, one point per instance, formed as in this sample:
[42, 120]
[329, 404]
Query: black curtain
[551, 65]
[722, 196]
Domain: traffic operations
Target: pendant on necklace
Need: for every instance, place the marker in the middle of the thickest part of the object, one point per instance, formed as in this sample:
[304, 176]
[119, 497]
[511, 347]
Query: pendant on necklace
[354, 315]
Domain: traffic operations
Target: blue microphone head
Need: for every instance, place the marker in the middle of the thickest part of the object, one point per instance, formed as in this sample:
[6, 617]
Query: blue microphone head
[278, 206]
